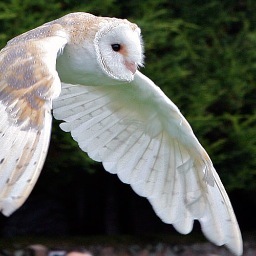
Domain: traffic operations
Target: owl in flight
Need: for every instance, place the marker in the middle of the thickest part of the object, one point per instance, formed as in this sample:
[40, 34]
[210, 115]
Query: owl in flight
[85, 68]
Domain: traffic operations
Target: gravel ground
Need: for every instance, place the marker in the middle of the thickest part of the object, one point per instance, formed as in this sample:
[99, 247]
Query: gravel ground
[159, 249]
[197, 249]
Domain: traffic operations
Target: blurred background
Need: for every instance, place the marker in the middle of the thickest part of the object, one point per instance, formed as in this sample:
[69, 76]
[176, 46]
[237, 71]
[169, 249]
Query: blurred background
[203, 56]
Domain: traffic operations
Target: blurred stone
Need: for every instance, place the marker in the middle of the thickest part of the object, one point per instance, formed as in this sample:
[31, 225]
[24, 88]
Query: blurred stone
[37, 250]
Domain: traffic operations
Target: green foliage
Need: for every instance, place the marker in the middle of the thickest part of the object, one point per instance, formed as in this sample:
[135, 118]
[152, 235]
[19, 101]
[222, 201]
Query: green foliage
[18, 16]
[201, 53]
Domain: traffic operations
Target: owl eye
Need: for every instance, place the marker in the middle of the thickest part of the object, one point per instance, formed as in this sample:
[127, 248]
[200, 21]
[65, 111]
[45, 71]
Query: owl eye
[116, 47]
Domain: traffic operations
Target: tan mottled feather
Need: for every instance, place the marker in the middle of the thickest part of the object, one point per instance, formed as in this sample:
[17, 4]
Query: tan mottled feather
[28, 83]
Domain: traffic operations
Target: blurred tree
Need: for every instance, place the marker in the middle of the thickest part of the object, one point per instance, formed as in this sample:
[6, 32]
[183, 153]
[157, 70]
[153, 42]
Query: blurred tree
[201, 54]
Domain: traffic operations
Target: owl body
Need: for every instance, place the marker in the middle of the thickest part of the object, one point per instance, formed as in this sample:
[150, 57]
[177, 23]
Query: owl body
[85, 68]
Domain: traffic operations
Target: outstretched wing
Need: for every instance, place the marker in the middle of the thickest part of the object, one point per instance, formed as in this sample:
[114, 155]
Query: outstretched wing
[28, 83]
[139, 134]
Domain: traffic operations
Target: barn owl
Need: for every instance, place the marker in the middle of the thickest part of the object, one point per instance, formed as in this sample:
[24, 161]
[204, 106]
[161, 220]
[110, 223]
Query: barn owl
[85, 69]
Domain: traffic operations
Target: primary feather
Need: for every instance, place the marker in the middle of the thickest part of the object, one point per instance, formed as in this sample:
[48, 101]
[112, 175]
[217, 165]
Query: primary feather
[116, 114]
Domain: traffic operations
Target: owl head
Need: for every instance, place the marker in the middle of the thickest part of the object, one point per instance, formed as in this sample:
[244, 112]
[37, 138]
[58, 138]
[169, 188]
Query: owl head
[119, 49]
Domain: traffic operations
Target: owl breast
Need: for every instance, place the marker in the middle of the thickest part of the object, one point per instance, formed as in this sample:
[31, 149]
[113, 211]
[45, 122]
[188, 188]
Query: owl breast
[79, 66]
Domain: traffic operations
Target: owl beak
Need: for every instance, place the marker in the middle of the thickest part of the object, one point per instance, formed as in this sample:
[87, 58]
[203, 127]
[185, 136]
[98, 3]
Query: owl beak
[132, 66]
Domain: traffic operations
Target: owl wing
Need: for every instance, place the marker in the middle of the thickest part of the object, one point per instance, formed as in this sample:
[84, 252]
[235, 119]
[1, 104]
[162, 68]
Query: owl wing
[140, 135]
[28, 83]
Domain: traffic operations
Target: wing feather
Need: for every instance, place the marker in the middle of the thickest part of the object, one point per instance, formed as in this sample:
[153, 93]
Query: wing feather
[127, 162]
[140, 135]
[23, 155]
[141, 171]
[117, 146]
[28, 83]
